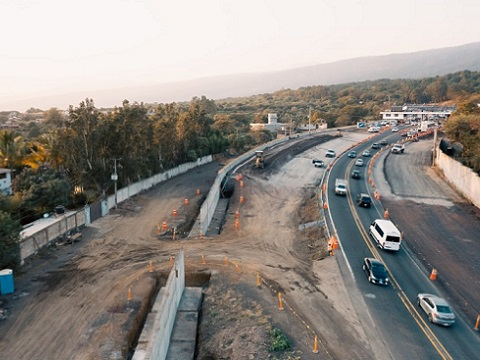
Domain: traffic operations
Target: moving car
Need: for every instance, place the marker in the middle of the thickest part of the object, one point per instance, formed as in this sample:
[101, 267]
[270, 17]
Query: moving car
[359, 162]
[436, 308]
[341, 187]
[318, 163]
[385, 234]
[375, 146]
[366, 153]
[364, 200]
[376, 271]
[395, 129]
[383, 142]
[330, 153]
[355, 174]
[352, 154]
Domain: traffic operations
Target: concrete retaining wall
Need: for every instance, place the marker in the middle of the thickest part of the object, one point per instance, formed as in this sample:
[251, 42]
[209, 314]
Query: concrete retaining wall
[463, 178]
[155, 338]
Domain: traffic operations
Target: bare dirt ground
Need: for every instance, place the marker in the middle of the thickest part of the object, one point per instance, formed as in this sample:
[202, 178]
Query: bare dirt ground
[441, 226]
[71, 301]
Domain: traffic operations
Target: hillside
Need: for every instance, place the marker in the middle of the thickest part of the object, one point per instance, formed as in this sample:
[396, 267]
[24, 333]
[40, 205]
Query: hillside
[429, 63]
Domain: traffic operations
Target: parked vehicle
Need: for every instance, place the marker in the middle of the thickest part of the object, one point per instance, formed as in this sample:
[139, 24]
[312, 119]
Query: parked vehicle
[376, 271]
[364, 200]
[341, 187]
[318, 163]
[437, 309]
[398, 149]
[385, 234]
[330, 153]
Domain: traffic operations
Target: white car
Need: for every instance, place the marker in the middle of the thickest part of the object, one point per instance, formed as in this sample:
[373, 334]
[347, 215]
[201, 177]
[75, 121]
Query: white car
[437, 309]
[359, 162]
[330, 153]
[395, 129]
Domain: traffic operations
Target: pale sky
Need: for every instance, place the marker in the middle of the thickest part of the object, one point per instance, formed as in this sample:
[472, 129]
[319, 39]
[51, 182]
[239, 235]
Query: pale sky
[58, 46]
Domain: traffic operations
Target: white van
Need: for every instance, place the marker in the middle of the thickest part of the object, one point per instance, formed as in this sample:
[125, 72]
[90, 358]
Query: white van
[386, 234]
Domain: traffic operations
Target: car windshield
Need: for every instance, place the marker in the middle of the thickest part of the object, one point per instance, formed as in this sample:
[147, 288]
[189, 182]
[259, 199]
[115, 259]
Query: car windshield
[379, 271]
[443, 309]
[366, 199]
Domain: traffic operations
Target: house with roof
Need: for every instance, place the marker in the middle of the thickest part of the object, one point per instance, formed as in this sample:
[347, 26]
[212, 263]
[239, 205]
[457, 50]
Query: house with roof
[6, 181]
[415, 112]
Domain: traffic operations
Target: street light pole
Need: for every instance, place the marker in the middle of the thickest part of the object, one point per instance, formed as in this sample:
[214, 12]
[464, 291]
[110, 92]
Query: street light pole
[115, 178]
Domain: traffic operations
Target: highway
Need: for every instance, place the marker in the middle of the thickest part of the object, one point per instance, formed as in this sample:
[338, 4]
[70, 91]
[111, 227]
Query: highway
[397, 319]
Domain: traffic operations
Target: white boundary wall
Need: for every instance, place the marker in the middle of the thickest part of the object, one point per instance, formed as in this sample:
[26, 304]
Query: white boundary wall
[463, 178]
[164, 312]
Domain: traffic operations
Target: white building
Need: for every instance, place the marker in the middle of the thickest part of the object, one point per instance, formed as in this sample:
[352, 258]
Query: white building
[409, 112]
[272, 124]
[6, 181]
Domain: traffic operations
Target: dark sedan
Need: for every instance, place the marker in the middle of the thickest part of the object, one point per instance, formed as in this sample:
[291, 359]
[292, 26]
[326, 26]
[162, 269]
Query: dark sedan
[376, 271]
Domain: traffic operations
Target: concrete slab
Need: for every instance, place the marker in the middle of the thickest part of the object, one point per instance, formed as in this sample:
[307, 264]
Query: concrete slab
[185, 328]
[218, 217]
[191, 299]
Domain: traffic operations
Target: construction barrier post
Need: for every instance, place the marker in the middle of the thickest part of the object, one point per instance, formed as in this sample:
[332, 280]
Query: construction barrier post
[201, 235]
[226, 261]
[315, 345]
[198, 192]
[129, 294]
[241, 183]
[174, 212]
[150, 266]
[241, 199]
[280, 302]
[185, 201]
[259, 281]
[325, 206]
[237, 225]
[164, 225]
[477, 323]
[171, 261]
[433, 275]
[174, 233]
[386, 214]
[203, 260]
[158, 229]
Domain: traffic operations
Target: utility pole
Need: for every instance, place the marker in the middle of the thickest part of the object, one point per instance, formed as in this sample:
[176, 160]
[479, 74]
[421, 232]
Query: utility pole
[115, 178]
[309, 118]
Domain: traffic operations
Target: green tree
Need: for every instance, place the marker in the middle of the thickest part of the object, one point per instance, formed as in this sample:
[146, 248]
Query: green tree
[53, 117]
[9, 241]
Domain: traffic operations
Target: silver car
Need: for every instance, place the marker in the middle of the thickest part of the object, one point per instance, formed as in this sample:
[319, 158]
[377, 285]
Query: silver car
[437, 309]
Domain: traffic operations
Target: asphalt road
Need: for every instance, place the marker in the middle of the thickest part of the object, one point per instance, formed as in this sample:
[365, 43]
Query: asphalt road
[398, 321]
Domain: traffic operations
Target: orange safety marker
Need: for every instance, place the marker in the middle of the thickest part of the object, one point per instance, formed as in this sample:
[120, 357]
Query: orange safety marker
[386, 214]
[203, 260]
[185, 201]
[171, 261]
[241, 199]
[226, 261]
[325, 206]
[201, 235]
[158, 229]
[477, 323]
[236, 266]
[241, 183]
[164, 225]
[198, 192]
[324, 187]
[129, 294]
[280, 302]
[433, 275]
[237, 214]
[150, 266]
[259, 281]
[237, 225]
[174, 212]
[315, 345]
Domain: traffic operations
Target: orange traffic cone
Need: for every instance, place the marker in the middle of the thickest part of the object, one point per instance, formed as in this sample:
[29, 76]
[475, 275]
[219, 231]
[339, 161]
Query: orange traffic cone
[433, 275]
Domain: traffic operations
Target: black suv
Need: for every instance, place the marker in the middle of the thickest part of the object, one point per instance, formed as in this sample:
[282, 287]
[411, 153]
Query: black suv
[364, 200]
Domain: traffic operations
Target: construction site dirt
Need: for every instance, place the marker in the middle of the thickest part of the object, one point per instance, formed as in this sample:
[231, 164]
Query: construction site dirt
[72, 301]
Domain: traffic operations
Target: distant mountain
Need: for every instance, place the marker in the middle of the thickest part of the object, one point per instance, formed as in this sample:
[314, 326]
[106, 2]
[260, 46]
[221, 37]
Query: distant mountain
[429, 63]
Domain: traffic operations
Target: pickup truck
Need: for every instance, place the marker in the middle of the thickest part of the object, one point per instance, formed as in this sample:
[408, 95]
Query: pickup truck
[398, 149]
[341, 187]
